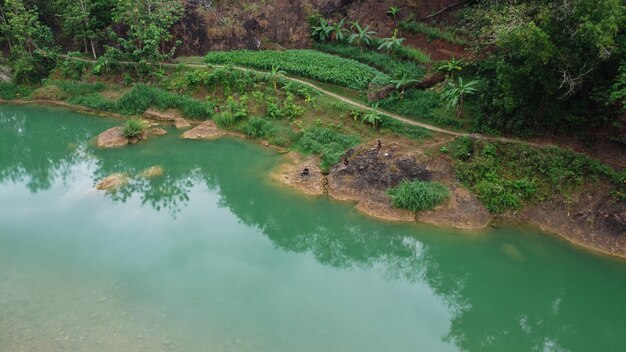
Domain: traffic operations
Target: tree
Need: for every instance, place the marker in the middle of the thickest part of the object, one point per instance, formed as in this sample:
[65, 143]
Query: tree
[549, 63]
[450, 67]
[338, 32]
[322, 32]
[455, 94]
[362, 35]
[274, 76]
[85, 21]
[149, 23]
[402, 83]
[391, 44]
[373, 117]
[29, 41]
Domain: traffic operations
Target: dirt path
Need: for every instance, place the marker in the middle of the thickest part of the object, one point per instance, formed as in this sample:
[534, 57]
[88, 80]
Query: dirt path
[349, 101]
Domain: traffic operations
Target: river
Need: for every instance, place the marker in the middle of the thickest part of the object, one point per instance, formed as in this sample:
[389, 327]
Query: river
[214, 256]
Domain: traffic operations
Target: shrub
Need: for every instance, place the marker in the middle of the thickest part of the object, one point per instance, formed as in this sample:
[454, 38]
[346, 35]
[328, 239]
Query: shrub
[505, 176]
[306, 63]
[10, 91]
[257, 127]
[141, 97]
[418, 195]
[73, 88]
[71, 68]
[327, 143]
[94, 101]
[134, 128]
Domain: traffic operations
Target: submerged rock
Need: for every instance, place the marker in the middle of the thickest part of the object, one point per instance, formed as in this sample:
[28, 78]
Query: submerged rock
[206, 130]
[153, 171]
[181, 123]
[112, 138]
[112, 181]
[156, 131]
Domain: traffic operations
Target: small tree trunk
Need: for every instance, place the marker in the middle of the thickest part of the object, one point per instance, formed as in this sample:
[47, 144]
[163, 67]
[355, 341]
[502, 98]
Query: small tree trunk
[93, 49]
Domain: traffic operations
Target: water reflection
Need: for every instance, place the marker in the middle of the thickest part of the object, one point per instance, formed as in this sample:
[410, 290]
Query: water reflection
[528, 300]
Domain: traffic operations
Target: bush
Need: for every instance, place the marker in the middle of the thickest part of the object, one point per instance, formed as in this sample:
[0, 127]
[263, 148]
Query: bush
[257, 127]
[10, 91]
[134, 128]
[418, 195]
[506, 176]
[74, 69]
[327, 143]
[141, 97]
[73, 88]
[94, 101]
[312, 64]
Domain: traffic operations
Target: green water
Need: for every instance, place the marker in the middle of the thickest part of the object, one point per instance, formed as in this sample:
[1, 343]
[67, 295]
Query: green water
[213, 256]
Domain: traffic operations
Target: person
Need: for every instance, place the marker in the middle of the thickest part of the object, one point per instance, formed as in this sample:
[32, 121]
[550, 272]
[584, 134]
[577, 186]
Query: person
[305, 172]
[346, 163]
[379, 146]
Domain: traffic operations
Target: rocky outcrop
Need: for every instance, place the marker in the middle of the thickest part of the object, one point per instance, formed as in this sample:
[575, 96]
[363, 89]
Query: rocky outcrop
[594, 219]
[206, 130]
[112, 138]
[303, 174]
[112, 182]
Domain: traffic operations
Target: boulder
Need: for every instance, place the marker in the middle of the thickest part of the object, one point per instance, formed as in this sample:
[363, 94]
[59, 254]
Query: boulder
[167, 115]
[206, 130]
[181, 123]
[112, 181]
[156, 131]
[112, 138]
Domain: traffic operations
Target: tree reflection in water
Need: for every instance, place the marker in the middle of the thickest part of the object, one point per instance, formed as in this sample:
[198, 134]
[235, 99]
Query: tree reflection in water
[497, 300]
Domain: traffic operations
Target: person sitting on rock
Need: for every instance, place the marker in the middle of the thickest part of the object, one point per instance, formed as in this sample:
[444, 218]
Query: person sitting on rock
[305, 172]
[346, 162]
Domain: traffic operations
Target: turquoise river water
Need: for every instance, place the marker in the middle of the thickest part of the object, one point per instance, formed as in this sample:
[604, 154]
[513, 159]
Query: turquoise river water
[213, 256]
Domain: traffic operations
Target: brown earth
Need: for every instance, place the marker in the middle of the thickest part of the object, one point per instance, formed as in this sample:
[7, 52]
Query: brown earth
[208, 25]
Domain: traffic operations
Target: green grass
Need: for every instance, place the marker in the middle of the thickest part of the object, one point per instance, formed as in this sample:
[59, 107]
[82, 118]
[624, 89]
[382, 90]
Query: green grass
[133, 128]
[506, 176]
[327, 143]
[74, 88]
[10, 91]
[418, 195]
[432, 32]
[94, 101]
[142, 97]
[384, 62]
[312, 64]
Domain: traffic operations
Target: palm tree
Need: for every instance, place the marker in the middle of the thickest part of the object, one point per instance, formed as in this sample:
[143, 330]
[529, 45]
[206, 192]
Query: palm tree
[402, 83]
[362, 35]
[274, 75]
[393, 43]
[323, 31]
[455, 94]
[337, 31]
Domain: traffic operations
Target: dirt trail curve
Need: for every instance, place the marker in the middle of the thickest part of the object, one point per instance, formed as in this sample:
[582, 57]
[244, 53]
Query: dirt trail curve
[346, 100]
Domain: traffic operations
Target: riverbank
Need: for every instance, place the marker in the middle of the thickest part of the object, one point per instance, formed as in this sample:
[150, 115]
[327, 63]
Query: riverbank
[589, 221]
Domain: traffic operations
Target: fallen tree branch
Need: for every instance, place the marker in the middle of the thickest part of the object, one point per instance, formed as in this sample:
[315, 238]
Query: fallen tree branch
[447, 8]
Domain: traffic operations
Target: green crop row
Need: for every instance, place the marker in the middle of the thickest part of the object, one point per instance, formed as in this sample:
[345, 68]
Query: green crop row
[312, 64]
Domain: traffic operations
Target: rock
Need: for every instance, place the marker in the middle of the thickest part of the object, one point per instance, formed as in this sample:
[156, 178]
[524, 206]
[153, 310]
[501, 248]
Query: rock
[167, 115]
[206, 130]
[181, 123]
[112, 138]
[153, 171]
[156, 131]
[112, 181]
[291, 174]
[462, 211]
[5, 74]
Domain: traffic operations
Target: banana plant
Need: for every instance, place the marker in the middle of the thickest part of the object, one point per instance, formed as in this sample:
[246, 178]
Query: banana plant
[338, 32]
[363, 35]
[274, 76]
[455, 94]
[402, 83]
[391, 44]
[323, 31]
